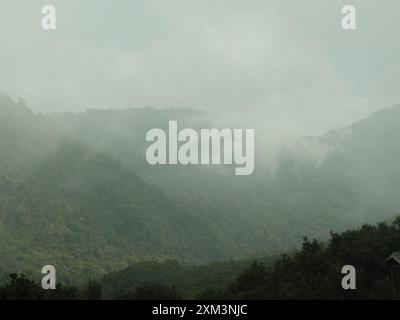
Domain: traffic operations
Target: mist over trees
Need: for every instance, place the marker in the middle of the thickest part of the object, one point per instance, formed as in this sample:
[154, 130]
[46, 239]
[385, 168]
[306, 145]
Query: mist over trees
[313, 272]
[76, 192]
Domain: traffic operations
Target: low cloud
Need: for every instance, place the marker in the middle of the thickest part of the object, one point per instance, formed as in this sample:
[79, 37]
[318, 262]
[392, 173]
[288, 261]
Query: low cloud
[255, 68]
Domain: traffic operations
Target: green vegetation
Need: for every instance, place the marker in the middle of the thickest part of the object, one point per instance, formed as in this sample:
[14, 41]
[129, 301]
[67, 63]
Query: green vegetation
[313, 272]
[76, 192]
[20, 287]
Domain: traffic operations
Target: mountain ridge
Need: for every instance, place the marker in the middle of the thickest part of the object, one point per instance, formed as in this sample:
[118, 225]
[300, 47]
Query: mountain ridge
[76, 191]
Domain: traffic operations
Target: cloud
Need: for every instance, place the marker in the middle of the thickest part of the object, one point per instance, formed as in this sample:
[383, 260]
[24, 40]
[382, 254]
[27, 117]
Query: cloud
[252, 67]
[383, 91]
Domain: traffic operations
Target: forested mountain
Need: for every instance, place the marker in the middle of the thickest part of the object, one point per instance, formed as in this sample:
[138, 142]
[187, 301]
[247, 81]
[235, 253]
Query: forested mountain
[312, 272]
[66, 204]
[76, 192]
[355, 182]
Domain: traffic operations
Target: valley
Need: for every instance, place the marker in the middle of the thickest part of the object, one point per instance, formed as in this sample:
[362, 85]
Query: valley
[76, 193]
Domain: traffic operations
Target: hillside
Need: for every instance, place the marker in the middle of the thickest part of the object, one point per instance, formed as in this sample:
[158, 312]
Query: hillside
[312, 272]
[355, 182]
[81, 210]
[76, 192]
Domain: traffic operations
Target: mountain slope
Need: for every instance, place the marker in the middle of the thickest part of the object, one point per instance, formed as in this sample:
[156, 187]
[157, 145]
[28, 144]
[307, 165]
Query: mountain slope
[76, 192]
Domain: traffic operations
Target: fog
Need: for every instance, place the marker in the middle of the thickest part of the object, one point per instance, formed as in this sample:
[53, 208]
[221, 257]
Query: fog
[286, 68]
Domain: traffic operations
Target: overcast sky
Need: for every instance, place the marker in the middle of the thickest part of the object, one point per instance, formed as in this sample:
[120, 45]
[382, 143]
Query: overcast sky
[286, 63]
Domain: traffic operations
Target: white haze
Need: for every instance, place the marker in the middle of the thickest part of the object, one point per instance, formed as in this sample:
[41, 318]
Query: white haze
[285, 70]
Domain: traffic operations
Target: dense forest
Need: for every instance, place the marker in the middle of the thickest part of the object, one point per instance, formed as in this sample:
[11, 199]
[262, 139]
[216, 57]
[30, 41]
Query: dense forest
[312, 272]
[76, 192]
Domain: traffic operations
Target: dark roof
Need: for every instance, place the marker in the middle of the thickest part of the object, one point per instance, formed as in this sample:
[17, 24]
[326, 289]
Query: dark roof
[394, 256]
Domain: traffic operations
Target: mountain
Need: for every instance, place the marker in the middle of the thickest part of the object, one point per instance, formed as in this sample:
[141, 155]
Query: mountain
[65, 204]
[76, 192]
[346, 188]
[312, 272]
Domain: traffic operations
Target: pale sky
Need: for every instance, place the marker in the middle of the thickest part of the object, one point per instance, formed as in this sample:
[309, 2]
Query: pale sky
[285, 64]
